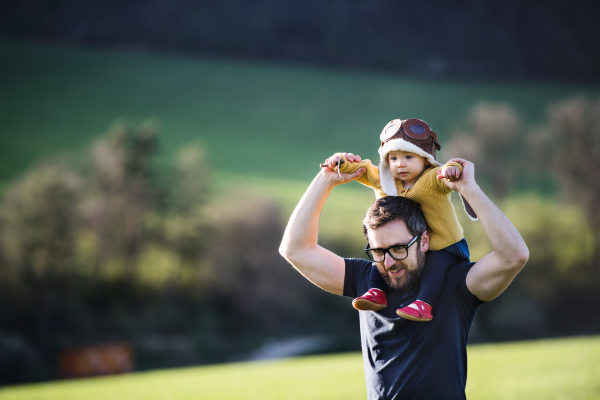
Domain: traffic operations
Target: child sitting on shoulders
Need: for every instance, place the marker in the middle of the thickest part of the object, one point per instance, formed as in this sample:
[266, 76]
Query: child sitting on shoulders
[408, 168]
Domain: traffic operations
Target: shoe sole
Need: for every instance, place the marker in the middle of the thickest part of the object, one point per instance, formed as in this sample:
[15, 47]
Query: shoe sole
[412, 317]
[366, 305]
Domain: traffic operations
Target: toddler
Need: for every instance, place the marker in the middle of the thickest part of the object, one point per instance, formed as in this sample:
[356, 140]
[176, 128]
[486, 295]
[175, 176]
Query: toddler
[408, 168]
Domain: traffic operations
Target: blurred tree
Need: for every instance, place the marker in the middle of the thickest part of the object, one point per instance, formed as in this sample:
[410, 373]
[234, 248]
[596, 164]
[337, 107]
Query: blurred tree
[568, 148]
[252, 282]
[559, 241]
[562, 239]
[40, 218]
[186, 226]
[490, 139]
[107, 250]
[123, 190]
[243, 258]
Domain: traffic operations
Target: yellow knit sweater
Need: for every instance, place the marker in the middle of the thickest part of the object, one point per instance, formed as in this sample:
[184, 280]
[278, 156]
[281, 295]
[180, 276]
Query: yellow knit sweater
[430, 192]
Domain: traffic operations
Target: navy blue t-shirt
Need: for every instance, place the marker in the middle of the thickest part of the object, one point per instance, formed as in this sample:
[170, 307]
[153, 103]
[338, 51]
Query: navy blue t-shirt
[406, 359]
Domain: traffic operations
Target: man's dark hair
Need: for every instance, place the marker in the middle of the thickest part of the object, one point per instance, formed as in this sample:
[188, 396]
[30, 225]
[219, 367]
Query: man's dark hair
[391, 208]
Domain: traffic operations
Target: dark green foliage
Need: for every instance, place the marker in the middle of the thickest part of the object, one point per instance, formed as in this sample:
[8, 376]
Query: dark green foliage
[562, 236]
[517, 39]
[110, 250]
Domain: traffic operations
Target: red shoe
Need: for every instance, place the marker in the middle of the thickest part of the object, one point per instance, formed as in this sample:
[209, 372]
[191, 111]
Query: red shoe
[417, 311]
[373, 300]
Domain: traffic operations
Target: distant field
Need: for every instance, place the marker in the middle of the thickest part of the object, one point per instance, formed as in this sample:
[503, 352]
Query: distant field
[256, 119]
[266, 126]
[549, 369]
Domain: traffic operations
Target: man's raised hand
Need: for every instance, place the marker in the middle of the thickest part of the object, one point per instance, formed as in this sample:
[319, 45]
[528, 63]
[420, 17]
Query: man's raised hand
[466, 177]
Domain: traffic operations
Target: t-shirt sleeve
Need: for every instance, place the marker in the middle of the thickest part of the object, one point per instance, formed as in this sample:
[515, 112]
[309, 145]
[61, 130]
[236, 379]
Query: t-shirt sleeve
[469, 299]
[356, 279]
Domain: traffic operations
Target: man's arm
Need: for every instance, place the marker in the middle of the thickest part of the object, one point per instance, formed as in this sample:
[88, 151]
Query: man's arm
[491, 275]
[299, 245]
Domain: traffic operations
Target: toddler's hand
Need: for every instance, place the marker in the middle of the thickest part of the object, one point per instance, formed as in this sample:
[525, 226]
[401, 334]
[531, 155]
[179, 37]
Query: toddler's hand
[332, 161]
[451, 173]
[351, 157]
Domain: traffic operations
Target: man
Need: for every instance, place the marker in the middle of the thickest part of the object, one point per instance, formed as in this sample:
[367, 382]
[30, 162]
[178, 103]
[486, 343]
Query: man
[402, 358]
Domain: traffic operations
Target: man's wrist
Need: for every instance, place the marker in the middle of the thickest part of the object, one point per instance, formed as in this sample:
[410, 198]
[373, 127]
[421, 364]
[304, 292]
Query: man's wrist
[330, 179]
[325, 180]
[469, 189]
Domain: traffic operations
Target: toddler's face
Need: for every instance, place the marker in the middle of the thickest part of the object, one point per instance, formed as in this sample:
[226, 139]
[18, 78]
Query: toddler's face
[407, 166]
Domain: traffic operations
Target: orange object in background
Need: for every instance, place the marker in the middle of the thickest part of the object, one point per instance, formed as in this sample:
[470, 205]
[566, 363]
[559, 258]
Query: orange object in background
[100, 359]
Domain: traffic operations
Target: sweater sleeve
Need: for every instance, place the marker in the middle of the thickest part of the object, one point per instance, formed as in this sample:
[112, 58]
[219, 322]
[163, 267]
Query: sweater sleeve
[369, 178]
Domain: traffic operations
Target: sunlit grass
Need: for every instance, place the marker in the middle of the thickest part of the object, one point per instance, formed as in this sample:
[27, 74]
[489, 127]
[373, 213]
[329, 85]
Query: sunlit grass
[546, 369]
[330, 377]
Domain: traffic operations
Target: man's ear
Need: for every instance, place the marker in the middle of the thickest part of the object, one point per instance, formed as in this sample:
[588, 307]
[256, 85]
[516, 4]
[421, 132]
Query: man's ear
[425, 241]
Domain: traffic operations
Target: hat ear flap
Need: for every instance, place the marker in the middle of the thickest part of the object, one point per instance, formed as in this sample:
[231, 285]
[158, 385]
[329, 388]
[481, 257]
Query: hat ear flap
[386, 179]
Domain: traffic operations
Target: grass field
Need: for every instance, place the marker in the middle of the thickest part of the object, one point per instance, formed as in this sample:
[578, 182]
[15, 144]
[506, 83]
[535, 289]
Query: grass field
[256, 119]
[545, 369]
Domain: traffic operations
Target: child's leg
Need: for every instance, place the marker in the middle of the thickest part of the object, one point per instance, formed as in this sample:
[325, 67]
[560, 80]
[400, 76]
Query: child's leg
[374, 299]
[434, 275]
[461, 249]
[376, 280]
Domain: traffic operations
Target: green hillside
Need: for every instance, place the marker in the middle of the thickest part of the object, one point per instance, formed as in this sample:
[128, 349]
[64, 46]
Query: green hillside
[548, 369]
[266, 126]
[256, 119]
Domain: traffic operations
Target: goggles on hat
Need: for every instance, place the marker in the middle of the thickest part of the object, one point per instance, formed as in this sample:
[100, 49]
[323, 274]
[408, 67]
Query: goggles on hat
[413, 128]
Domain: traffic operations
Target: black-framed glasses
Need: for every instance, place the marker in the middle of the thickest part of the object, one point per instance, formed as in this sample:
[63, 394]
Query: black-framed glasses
[397, 252]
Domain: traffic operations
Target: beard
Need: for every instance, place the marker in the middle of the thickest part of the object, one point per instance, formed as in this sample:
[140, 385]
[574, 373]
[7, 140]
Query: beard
[412, 276]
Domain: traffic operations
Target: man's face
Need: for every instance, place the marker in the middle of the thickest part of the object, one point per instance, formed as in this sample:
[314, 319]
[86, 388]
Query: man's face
[405, 273]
